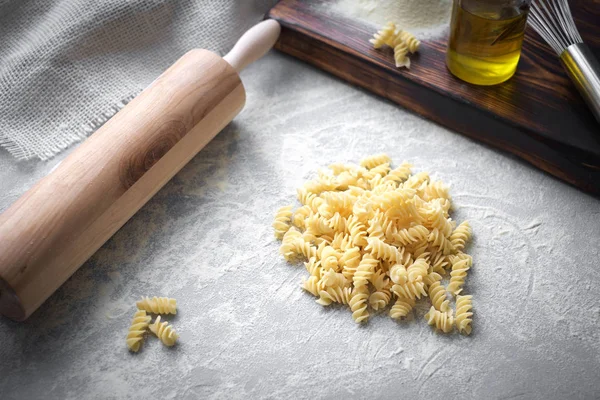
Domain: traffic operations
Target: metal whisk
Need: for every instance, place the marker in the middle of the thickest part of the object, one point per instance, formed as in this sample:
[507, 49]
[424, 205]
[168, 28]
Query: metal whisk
[552, 20]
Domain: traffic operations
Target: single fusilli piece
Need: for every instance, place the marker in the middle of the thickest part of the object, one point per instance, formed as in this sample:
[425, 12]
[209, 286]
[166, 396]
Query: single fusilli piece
[401, 307]
[138, 327]
[282, 221]
[418, 269]
[399, 274]
[288, 243]
[441, 320]
[375, 160]
[411, 42]
[463, 314]
[401, 54]
[460, 266]
[334, 279]
[383, 36]
[379, 249]
[461, 236]
[365, 270]
[158, 305]
[410, 290]
[164, 332]
[358, 304]
[439, 241]
[330, 295]
[301, 215]
[400, 174]
[313, 285]
[437, 294]
[412, 235]
[380, 298]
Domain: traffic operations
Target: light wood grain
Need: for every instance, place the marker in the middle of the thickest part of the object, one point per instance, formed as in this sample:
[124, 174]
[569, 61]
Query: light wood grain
[59, 223]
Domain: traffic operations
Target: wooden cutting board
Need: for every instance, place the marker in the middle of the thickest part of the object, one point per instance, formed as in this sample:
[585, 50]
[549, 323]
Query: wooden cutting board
[537, 114]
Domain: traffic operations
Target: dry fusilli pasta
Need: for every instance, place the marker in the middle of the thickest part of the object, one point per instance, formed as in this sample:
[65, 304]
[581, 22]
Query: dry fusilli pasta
[158, 305]
[384, 35]
[282, 221]
[463, 314]
[138, 327]
[375, 236]
[164, 332]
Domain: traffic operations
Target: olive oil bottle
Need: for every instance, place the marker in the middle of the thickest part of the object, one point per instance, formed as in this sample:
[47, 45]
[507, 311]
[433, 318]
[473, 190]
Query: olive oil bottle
[485, 39]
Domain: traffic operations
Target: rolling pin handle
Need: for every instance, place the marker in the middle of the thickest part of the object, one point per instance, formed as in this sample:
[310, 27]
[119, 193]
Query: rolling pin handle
[253, 44]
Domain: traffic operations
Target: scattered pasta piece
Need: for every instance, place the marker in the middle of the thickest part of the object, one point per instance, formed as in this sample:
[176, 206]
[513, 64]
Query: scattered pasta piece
[400, 41]
[384, 35]
[400, 53]
[158, 305]
[282, 221]
[138, 327]
[411, 42]
[164, 332]
[374, 236]
[441, 320]
[463, 314]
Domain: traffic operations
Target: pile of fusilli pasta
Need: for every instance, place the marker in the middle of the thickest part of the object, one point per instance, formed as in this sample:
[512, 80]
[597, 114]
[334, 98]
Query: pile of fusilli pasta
[373, 235]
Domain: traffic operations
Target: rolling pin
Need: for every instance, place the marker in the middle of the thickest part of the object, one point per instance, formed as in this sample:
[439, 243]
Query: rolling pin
[49, 232]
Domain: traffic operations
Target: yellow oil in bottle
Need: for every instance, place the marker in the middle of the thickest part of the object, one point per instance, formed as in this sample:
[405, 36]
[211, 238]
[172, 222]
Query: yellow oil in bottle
[485, 40]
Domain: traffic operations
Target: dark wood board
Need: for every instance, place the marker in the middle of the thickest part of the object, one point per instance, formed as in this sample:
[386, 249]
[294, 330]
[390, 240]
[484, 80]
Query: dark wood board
[537, 114]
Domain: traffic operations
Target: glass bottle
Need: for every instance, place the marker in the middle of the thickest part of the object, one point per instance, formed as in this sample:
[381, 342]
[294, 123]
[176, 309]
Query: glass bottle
[485, 39]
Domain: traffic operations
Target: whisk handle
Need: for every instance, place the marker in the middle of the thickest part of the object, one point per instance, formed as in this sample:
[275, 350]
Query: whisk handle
[584, 70]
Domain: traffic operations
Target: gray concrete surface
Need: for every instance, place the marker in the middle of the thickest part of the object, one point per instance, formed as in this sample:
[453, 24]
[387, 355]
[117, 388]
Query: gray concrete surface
[249, 331]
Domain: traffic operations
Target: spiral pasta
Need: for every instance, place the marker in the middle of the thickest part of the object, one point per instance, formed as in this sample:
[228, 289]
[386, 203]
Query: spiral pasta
[437, 294]
[412, 235]
[365, 270]
[164, 332]
[463, 314]
[399, 274]
[376, 237]
[357, 231]
[138, 327]
[358, 305]
[383, 36]
[282, 221]
[340, 295]
[313, 266]
[380, 249]
[401, 307]
[411, 42]
[401, 55]
[313, 285]
[418, 269]
[375, 160]
[301, 215]
[441, 320]
[329, 258]
[334, 279]
[158, 305]
[439, 241]
[399, 174]
[288, 244]
[461, 236]
[410, 290]
[460, 266]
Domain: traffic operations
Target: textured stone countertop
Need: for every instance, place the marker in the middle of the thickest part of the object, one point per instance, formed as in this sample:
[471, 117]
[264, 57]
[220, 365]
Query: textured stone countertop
[249, 331]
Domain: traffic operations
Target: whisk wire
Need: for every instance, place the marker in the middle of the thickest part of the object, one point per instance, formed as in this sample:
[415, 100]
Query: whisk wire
[553, 21]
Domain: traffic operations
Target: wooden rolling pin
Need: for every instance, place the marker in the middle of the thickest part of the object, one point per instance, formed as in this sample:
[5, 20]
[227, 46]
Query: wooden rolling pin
[48, 233]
